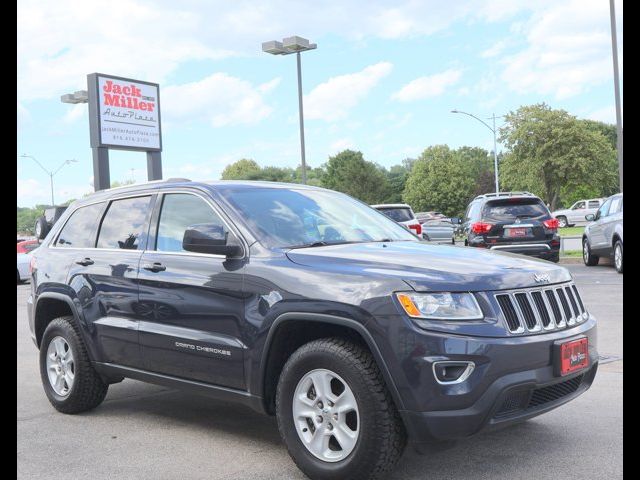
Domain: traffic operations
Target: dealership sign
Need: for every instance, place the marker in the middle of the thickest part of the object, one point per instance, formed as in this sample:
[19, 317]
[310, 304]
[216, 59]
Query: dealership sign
[125, 113]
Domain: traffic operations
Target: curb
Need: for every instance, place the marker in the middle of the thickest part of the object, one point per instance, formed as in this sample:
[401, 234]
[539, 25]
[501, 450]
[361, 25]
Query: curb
[570, 260]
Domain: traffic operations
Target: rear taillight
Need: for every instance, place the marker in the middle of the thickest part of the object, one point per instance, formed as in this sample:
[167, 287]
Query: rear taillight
[551, 224]
[417, 227]
[481, 227]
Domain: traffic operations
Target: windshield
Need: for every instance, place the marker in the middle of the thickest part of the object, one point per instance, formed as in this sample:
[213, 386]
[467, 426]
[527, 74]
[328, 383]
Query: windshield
[291, 218]
[399, 214]
[510, 209]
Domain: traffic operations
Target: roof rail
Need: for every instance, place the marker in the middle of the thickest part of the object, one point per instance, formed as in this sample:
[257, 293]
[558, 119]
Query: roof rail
[505, 194]
[150, 182]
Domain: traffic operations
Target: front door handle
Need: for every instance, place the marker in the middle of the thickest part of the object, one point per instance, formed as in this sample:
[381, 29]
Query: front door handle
[154, 267]
[85, 262]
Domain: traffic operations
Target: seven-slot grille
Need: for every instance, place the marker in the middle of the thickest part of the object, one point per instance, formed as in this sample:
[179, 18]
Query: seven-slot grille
[542, 309]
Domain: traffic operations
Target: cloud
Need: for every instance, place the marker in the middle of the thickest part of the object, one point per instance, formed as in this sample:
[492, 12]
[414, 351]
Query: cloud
[221, 99]
[429, 86]
[26, 188]
[75, 113]
[341, 144]
[604, 114]
[333, 99]
[568, 50]
[23, 116]
[495, 49]
[270, 85]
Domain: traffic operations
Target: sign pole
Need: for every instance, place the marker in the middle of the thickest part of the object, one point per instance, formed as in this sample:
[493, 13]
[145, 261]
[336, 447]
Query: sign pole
[154, 166]
[101, 178]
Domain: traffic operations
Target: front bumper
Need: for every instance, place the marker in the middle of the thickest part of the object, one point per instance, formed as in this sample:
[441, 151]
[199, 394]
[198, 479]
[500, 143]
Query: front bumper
[512, 399]
[513, 380]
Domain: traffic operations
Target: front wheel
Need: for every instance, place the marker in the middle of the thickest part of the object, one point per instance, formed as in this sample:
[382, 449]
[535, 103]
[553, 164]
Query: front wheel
[617, 256]
[335, 414]
[589, 259]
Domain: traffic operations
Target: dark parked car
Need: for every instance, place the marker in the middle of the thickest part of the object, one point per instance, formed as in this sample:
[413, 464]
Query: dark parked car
[603, 236]
[517, 222]
[305, 304]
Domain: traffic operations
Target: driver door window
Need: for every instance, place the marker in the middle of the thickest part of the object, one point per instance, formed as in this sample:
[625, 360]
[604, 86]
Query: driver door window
[604, 210]
[579, 206]
[179, 211]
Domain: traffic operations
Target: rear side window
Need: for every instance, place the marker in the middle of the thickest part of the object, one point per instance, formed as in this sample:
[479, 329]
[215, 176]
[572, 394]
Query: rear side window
[594, 203]
[473, 211]
[616, 203]
[79, 231]
[509, 209]
[398, 214]
[124, 225]
[179, 211]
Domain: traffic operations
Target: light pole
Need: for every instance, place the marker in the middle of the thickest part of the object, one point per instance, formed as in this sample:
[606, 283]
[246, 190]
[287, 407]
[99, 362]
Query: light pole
[495, 152]
[288, 46]
[51, 174]
[616, 80]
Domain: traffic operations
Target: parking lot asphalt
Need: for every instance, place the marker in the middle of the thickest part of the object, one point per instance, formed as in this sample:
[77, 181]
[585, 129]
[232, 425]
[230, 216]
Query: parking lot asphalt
[143, 431]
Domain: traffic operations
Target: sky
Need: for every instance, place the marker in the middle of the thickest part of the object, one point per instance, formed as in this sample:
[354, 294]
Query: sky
[383, 80]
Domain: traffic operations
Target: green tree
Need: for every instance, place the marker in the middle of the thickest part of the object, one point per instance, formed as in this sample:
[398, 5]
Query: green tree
[122, 183]
[350, 173]
[271, 174]
[480, 165]
[397, 177]
[550, 149]
[240, 169]
[440, 180]
[606, 129]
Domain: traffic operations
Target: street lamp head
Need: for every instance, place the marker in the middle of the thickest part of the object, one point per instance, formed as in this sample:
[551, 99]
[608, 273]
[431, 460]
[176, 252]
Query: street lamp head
[79, 96]
[273, 47]
[295, 43]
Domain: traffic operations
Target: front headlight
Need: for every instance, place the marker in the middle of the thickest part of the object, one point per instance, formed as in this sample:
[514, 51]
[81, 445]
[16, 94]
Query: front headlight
[440, 306]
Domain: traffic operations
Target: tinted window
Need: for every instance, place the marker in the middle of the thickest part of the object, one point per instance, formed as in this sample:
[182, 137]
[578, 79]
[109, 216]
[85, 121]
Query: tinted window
[594, 203]
[510, 209]
[124, 224]
[292, 217]
[615, 205]
[397, 214]
[473, 211]
[79, 231]
[180, 210]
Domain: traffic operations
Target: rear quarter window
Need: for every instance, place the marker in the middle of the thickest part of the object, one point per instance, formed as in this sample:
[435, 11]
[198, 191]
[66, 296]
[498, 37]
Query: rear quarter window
[79, 231]
[509, 209]
[124, 224]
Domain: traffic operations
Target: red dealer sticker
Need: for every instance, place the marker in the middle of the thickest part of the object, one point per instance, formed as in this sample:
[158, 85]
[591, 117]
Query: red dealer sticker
[574, 356]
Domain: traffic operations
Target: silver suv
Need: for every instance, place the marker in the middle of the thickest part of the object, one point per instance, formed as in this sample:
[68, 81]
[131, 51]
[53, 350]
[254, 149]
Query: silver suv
[603, 236]
[574, 215]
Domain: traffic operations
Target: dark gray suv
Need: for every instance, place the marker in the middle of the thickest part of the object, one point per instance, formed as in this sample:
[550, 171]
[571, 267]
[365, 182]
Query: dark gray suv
[306, 304]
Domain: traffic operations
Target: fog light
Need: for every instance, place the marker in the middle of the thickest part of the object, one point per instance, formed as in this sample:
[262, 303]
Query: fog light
[452, 372]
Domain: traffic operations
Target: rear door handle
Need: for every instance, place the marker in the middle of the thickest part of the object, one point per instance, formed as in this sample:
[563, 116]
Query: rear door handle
[154, 267]
[85, 262]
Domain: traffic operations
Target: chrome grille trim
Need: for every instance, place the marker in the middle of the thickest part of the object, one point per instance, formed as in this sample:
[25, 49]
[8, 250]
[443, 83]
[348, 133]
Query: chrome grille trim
[521, 301]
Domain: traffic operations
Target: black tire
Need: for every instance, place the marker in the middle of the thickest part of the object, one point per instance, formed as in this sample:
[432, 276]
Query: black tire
[453, 240]
[382, 437]
[588, 258]
[88, 390]
[617, 245]
[562, 221]
[41, 228]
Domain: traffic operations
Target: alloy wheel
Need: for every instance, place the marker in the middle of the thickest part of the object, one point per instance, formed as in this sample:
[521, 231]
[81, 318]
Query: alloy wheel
[325, 415]
[60, 366]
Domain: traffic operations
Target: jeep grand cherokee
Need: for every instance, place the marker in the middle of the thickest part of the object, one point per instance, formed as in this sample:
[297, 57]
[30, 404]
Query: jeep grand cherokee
[307, 304]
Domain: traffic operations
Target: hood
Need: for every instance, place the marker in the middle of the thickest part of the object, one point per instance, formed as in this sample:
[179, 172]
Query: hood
[427, 267]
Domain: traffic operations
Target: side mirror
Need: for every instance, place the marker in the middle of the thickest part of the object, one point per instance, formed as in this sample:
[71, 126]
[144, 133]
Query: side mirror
[590, 217]
[209, 238]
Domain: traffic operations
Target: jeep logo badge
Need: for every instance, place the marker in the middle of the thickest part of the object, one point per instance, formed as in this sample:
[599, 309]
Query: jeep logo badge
[541, 278]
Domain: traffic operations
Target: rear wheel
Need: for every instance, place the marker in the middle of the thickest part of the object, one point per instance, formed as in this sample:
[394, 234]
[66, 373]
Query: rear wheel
[562, 221]
[617, 256]
[589, 259]
[69, 380]
[335, 414]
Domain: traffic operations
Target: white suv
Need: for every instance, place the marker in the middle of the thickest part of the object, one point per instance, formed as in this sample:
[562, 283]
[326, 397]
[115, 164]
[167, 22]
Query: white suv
[403, 214]
[574, 215]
